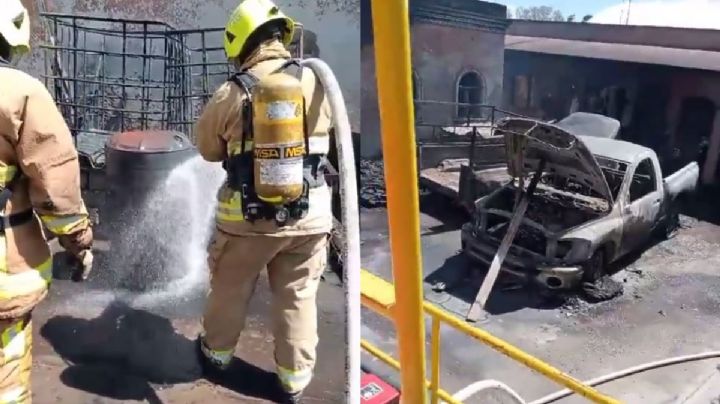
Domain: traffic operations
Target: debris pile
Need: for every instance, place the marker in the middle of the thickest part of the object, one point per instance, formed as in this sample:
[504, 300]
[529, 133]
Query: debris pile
[603, 289]
[372, 180]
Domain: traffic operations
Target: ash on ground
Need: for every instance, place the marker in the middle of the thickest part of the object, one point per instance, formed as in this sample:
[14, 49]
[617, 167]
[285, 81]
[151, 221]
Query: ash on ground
[372, 181]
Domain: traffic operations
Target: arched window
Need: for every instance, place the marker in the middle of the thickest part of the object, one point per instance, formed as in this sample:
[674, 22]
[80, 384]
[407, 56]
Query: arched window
[469, 91]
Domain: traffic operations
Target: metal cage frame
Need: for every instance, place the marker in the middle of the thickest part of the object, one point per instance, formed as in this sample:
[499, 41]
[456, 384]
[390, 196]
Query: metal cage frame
[111, 75]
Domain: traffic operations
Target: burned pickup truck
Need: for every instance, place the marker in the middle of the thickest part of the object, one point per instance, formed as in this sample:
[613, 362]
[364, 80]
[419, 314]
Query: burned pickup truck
[594, 200]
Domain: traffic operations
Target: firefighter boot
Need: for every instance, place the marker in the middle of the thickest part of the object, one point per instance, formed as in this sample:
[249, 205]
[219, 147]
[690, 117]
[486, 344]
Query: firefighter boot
[211, 369]
[291, 398]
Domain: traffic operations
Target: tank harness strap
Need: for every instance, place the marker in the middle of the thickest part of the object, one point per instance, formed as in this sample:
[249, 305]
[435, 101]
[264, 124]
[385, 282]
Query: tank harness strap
[15, 219]
[246, 81]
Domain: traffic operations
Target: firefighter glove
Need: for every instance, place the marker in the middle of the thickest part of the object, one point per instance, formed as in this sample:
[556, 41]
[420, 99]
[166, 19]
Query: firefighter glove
[77, 242]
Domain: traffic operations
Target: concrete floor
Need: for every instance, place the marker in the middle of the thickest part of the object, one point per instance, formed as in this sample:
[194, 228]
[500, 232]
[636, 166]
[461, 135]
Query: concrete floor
[670, 307]
[92, 345]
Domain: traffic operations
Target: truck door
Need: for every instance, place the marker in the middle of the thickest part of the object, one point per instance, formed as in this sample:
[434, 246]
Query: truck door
[642, 204]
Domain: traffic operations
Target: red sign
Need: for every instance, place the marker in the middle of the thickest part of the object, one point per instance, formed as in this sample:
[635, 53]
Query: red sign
[374, 390]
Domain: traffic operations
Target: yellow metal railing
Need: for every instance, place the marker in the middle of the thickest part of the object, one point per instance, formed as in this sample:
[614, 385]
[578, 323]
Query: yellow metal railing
[377, 295]
[405, 305]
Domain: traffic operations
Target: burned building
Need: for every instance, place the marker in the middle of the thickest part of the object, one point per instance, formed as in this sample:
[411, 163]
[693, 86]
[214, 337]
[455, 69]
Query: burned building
[661, 83]
[457, 57]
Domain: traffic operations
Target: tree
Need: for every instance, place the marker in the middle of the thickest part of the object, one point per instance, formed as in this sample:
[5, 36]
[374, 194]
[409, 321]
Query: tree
[571, 18]
[541, 13]
[587, 18]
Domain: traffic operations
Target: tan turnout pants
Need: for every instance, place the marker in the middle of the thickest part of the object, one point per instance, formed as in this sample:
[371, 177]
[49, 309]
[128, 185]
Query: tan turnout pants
[16, 360]
[294, 266]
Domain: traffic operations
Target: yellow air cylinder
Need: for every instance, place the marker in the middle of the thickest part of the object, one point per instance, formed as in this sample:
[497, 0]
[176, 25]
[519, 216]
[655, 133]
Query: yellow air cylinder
[278, 138]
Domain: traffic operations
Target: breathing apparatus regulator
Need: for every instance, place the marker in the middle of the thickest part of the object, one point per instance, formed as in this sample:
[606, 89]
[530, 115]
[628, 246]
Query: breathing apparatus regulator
[276, 165]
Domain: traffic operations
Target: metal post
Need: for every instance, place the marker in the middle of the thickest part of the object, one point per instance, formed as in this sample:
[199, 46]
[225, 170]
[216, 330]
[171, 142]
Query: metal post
[123, 76]
[391, 28]
[76, 74]
[435, 361]
[144, 103]
[473, 140]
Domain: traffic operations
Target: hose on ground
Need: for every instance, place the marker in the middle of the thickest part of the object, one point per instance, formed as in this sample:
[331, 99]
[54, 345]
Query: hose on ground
[483, 385]
[350, 221]
[630, 371]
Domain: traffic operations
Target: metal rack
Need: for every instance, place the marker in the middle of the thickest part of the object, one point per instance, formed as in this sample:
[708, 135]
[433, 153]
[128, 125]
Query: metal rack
[112, 75]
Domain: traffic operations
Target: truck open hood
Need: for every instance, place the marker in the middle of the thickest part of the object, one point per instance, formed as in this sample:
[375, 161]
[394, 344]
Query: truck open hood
[527, 141]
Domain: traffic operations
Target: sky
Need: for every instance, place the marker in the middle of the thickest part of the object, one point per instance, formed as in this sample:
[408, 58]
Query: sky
[674, 13]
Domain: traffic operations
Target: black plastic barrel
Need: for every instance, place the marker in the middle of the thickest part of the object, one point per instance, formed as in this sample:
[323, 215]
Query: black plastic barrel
[137, 166]
[138, 161]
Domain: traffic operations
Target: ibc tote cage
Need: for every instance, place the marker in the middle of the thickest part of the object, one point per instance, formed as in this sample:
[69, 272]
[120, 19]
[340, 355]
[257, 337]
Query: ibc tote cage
[111, 75]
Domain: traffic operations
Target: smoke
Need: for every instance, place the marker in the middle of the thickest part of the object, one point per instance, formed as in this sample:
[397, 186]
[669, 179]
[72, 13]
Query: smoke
[674, 13]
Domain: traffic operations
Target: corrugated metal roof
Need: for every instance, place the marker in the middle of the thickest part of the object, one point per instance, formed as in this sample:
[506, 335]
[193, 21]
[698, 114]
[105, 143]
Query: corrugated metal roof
[687, 58]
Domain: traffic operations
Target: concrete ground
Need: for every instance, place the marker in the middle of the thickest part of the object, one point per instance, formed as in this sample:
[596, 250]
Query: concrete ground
[94, 344]
[669, 307]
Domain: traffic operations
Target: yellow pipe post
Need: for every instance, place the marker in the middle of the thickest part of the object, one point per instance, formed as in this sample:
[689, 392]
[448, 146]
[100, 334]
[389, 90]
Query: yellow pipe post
[391, 29]
[435, 361]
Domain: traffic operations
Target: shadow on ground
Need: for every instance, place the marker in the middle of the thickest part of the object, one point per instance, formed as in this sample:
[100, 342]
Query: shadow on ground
[461, 279]
[442, 209]
[702, 205]
[123, 352]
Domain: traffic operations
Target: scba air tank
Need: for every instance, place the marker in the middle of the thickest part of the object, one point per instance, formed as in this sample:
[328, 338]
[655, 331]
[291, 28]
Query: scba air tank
[278, 138]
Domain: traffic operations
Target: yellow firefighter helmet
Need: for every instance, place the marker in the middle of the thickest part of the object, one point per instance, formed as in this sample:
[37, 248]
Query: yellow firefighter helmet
[15, 27]
[248, 17]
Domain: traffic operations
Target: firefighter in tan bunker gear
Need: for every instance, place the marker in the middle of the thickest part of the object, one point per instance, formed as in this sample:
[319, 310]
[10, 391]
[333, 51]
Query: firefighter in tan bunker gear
[40, 183]
[246, 241]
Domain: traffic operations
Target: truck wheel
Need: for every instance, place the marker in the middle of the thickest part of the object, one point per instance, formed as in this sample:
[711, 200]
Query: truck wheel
[671, 224]
[596, 285]
[594, 268]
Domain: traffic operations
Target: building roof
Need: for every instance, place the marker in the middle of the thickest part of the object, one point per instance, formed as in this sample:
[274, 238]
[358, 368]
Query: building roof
[666, 37]
[670, 46]
[614, 149]
[687, 58]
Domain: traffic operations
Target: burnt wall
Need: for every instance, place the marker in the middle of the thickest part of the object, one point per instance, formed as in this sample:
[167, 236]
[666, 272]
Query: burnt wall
[651, 115]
